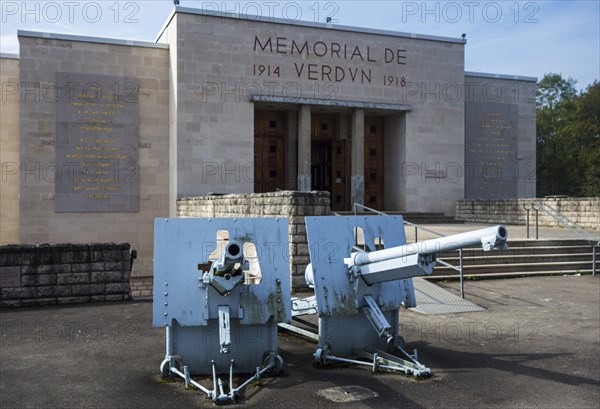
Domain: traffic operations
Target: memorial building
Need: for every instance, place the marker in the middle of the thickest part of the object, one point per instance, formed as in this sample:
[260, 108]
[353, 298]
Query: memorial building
[100, 136]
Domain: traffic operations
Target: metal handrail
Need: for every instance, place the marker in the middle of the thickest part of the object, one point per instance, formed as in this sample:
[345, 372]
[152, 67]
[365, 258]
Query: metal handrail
[565, 221]
[417, 227]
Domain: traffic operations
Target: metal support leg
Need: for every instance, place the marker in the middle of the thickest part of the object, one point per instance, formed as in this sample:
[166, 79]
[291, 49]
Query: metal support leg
[527, 221]
[537, 211]
[186, 374]
[594, 260]
[462, 276]
[378, 320]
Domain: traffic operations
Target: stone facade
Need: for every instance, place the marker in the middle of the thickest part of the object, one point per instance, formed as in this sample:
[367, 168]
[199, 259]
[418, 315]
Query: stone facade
[9, 150]
[292, 205]
[583, 211]
[219, 60]
[141, 287]
[64, 273]
[40, 60]
[202, 86]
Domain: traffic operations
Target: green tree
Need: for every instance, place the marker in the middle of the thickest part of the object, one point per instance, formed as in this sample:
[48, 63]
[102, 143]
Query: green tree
[568, 138]
[583, 133]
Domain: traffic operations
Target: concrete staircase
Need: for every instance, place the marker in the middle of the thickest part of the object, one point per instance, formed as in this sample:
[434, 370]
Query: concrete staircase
[430, 218]
[419, 218]
[524, 257]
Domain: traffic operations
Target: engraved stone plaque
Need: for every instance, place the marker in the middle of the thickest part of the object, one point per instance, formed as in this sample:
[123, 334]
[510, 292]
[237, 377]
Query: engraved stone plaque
[96, 143]
[491, 166]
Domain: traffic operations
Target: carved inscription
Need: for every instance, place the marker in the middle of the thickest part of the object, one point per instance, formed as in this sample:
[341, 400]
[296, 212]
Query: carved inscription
[491, 167]
[97, 136]
[341, 62]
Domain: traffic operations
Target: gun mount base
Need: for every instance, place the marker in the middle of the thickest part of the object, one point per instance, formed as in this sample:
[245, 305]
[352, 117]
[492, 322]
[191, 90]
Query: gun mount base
[378, 360]
[273, 363]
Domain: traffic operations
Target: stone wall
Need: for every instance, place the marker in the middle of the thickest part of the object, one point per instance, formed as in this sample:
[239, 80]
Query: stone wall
[9, 150]
[39, 61]
[291, 204]
[583, 211]
[141, 287]
[64, 273]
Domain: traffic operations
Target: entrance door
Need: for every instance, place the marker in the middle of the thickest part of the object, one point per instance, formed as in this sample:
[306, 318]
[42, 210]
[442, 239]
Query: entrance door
[374, 162]
[339, 189]
[269, 160]
[321, 168]
[329, 165]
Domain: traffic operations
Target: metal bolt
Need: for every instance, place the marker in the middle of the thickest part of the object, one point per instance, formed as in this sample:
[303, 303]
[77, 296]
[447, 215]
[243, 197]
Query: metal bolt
[166, 324]
[166, 284]
[166, 304]
[166, 313]
[279, 300]
[166, 294]
[278, 281]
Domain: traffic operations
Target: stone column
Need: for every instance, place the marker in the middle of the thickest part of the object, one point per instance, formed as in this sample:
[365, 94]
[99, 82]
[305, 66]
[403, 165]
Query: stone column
[357, 187]
[291, 165]
[304, 149]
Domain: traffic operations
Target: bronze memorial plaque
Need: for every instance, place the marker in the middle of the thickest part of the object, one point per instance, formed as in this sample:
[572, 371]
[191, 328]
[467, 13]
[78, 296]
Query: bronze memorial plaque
[97, 137]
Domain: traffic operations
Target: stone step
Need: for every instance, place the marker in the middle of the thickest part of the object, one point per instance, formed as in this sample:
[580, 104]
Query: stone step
[413, 217]
[511, 274]
[517, 251]
[519, 267]
[430, 218]
[512, 259]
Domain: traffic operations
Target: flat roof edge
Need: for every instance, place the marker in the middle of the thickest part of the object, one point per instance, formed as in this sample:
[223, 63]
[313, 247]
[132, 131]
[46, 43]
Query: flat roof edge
[500, 76]
[10, 56]
[329, 26]
[100, 40]
[331, 102]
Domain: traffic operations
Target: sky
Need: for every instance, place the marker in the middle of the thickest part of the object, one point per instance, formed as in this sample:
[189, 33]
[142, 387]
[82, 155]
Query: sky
[527, 38]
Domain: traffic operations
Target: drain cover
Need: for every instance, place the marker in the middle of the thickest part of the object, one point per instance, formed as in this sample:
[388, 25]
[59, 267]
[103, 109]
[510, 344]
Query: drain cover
[351, 393]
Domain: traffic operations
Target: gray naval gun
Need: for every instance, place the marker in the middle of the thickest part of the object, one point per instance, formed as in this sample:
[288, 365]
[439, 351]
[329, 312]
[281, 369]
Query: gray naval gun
[222, 288]
[359, 288]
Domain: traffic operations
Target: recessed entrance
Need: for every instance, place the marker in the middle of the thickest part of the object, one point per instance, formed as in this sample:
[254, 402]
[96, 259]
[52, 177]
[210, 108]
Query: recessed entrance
[330, 155]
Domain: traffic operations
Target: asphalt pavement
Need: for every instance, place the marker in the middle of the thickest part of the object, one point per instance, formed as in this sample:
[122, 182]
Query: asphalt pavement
[537, 345]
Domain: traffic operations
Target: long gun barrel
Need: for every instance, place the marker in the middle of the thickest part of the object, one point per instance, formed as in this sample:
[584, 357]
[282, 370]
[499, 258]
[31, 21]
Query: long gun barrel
[488, 238]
